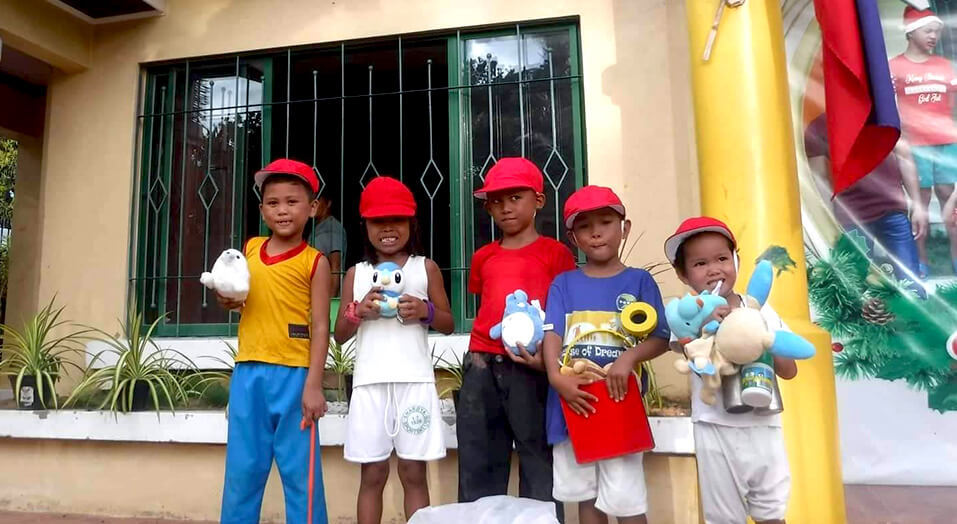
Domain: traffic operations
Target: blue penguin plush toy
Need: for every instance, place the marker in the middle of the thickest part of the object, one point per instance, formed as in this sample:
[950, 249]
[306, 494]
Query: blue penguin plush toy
[388, 276]
[522, 323]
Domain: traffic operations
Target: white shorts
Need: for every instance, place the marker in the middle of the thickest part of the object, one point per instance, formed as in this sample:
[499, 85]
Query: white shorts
[618, 484]
[741, 472]
[395, 415]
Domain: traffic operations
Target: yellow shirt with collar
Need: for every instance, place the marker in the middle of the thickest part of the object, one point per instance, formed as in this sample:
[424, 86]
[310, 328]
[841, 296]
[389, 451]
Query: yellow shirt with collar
[274, 326]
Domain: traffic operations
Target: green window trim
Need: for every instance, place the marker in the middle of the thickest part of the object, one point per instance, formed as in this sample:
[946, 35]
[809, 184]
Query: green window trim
[151, 277]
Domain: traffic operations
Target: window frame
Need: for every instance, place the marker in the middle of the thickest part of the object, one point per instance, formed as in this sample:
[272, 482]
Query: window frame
[466, 300]
[144, 288]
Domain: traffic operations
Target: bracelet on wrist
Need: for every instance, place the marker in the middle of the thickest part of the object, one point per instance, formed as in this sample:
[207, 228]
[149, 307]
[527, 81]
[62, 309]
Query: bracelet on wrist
[431, 315]
[350, 313]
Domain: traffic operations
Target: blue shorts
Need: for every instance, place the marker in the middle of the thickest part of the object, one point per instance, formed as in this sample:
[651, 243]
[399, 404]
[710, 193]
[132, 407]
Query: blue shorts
[936, 165]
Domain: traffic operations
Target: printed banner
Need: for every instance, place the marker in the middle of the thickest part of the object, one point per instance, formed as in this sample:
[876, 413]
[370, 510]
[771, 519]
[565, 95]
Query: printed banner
[882, 254]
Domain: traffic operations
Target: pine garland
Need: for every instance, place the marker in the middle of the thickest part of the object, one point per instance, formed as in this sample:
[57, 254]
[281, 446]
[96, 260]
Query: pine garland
[852, 366]
[886, 330]
[871, 340]
[925, 380]
[832, 285]
[944, 397]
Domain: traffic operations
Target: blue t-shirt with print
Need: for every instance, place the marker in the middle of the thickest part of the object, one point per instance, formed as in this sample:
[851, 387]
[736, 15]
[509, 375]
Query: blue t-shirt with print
[577, 303]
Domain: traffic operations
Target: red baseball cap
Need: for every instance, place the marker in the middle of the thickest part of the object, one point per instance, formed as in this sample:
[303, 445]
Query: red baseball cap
[693, 226]
[287, 166]
[590, 198]
[385, 196]
[512, 173]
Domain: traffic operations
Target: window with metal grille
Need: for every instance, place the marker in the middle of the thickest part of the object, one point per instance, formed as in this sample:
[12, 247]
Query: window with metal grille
[436, 111]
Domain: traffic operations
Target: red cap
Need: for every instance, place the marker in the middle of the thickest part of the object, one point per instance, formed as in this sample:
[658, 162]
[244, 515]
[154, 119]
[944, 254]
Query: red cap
[385, 196]
[590, 198]
[286, 166]
[512, 173]
[914, 19]
[693, 226]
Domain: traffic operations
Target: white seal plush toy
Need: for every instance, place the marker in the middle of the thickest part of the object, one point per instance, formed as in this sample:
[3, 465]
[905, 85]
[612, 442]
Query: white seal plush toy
[229, 276]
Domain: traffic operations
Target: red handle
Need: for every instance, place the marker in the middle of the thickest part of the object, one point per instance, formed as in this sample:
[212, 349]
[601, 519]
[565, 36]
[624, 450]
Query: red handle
[312, 468]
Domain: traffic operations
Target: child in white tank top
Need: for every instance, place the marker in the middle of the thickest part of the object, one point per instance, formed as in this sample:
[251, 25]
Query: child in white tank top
[389, 302]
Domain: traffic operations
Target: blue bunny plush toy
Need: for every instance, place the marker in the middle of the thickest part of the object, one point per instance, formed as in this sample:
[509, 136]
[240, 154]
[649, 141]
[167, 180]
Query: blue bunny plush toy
[522, 323]
[744, 336]
[388, 276]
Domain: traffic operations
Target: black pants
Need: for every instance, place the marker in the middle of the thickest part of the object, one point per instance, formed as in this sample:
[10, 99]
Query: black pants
[502, 402]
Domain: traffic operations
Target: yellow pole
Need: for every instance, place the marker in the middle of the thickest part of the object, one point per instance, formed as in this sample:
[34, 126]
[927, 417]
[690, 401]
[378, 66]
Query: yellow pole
[748, 177]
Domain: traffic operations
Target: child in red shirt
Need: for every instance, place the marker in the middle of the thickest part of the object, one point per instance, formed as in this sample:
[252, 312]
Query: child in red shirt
[925, 84]
[502, 399]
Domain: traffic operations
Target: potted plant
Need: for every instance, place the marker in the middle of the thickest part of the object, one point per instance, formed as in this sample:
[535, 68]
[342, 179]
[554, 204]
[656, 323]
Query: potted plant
[656, 403]
[213, 385]
[452, 383]
[142, 373]
[652, 395]
[339, 369]
[34, 357]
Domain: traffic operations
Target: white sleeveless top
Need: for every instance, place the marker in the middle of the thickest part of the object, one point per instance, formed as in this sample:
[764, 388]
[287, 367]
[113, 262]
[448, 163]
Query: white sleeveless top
[386, 350]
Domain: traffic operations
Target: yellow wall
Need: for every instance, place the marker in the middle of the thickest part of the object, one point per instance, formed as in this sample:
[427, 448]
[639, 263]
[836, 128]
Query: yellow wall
[638, 120]
[640, 140]
[50, 34]
[185, 481]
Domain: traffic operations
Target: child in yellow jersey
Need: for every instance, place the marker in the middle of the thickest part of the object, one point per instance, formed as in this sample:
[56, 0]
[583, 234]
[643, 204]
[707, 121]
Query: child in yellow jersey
[276, 386]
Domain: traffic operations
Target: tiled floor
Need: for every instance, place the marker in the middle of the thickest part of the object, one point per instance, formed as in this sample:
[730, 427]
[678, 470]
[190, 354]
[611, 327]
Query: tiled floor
[901, 504]
[865, 505]
[9, 517]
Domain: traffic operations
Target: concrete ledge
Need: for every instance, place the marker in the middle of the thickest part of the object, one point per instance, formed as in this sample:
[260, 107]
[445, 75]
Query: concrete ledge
[211, 352]
[673, 435]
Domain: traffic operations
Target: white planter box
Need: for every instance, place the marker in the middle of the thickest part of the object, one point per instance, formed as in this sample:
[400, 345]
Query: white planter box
[673, 435]
[210, 352]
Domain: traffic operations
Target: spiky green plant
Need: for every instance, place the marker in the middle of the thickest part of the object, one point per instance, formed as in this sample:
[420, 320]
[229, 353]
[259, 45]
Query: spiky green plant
[36, 350]
[343, 356]
[653, 397]
[456, 369]
[342, 362]
[139, 360]
[232, 352]
[212, 378]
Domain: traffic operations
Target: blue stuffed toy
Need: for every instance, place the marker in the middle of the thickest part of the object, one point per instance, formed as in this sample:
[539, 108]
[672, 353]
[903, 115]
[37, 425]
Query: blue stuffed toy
[686, 318]
[713, 349]
[522, 323]
[388, 277]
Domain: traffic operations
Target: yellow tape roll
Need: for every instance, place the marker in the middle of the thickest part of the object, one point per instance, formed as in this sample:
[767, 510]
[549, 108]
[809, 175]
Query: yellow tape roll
[639, 319]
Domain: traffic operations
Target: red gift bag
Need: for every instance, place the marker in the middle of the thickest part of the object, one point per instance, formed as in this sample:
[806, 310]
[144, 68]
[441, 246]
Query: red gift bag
[614, 429]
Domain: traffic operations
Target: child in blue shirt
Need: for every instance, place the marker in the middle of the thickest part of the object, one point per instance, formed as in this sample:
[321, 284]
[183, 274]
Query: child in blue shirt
[582, 300]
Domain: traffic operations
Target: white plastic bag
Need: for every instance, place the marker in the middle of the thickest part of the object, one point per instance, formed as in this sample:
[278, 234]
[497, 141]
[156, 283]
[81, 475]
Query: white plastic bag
[500, 509]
